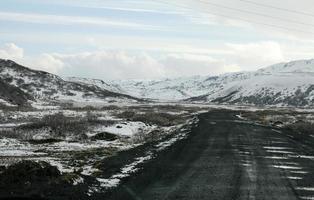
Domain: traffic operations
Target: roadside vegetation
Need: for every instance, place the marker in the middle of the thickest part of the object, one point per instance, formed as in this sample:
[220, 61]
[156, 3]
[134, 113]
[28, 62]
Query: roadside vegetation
[68, 145]
[298, 124]
[156, 118]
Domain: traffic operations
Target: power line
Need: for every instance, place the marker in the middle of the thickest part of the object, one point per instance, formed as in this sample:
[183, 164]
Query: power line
[240, 19]
[254, 13]
[278, 8]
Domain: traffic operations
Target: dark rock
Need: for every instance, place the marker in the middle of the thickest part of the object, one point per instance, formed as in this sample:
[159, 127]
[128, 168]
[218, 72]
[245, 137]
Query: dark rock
[28, 172]
[105, 136]
[44, 141]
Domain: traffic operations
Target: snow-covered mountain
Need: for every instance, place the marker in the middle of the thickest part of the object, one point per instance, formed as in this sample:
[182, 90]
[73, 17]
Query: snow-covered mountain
[163, 89]
[286, 84]
[97, 82]
[283, 84]
[20, 85]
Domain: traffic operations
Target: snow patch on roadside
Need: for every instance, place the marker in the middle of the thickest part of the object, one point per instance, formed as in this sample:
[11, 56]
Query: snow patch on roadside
[12, 125]
[128, 128]
[294, 177]
[275, 148]
[305, 188]
[307, 198]
[6, 103]
[287, 167]
[125, 172]
[14, 148]
[133, 167]
[280, 152]
[78, 180]
[240, 117]
[88, 170]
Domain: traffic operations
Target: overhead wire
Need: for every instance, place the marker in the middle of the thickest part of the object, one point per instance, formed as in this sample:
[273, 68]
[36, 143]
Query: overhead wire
[278, 8]
[238, 18]
[255, 13]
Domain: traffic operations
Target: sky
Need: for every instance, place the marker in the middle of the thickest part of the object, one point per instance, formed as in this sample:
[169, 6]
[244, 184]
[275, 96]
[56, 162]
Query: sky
[152, 39]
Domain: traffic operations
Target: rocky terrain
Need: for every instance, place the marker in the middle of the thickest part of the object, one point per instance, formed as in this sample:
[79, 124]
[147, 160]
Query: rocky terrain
[21, 86]
[82, 152]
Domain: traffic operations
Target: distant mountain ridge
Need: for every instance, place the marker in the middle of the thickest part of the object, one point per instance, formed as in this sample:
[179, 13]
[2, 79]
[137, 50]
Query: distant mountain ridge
[298, 66]
[31, 85]
[283, 84]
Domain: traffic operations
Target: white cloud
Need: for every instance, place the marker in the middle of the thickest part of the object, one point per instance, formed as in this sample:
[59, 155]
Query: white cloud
[232, 68]
[126, 65]
[11, 51]
[258, 19]
[255, 55]
[132, 5]
[192, 64]
[43, 62]
[110, 64]
[70, 20]
[122, 55]
[46, 62]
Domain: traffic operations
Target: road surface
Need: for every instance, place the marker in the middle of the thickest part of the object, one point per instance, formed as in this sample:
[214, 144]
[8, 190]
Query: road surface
[225, 157]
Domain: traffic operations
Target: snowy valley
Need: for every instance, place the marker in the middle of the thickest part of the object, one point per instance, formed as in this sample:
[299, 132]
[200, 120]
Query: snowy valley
[90, 135]
[283, 84]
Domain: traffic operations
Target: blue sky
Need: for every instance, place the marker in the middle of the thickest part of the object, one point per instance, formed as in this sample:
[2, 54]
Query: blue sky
[139, 39]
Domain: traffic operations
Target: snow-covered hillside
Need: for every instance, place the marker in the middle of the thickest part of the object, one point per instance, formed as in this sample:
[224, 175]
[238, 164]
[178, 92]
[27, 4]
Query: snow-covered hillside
[284, 84]
[165, 89]
[280, 84]
[21, 86]
[299, 66]
[99, 83]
